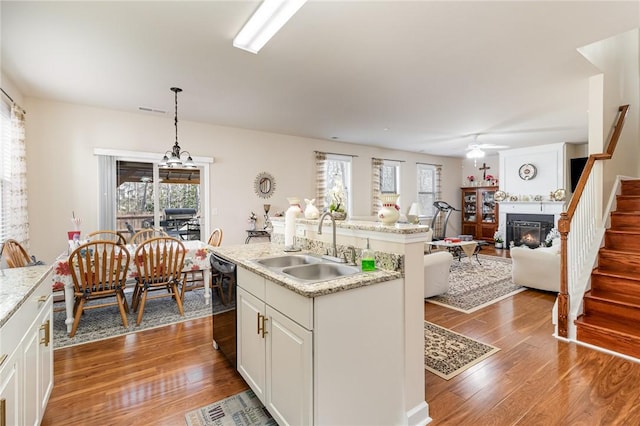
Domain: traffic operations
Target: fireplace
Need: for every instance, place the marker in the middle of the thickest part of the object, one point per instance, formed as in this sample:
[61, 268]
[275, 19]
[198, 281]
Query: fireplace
[528, 229]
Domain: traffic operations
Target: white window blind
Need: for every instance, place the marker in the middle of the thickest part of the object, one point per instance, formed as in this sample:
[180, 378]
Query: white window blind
[339, 166]
[426, 189]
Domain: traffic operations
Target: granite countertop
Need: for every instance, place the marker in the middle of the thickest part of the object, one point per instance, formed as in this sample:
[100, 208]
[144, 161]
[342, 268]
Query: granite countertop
[245, 254]
[363, 225]
[16, 285]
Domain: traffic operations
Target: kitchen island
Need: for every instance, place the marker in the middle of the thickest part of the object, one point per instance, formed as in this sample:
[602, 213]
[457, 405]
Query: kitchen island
[26, 349]
[348, 350]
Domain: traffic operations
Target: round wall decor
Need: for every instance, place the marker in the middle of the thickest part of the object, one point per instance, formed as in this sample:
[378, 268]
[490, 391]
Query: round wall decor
[264, 185]
[500, 196]
[527, 171]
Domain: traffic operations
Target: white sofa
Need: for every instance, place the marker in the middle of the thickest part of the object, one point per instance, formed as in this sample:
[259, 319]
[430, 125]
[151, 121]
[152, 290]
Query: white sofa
[436, 273]
[537, 268]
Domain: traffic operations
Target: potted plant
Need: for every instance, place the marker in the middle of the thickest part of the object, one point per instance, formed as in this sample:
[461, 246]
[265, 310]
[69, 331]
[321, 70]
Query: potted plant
[498, 240]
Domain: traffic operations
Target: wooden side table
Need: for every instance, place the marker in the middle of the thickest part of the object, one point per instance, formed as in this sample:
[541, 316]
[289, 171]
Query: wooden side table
[252, 233]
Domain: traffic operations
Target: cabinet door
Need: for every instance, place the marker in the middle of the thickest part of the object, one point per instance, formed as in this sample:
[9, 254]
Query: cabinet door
[38, 362]
[10, 409]
[289, 370]
[488, 206]
[469, 205]
[251, 343]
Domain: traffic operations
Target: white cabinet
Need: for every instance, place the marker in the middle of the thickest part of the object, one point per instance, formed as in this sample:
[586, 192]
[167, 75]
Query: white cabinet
[10, 390]
[275, 352]
[310, 360]
[26, 374]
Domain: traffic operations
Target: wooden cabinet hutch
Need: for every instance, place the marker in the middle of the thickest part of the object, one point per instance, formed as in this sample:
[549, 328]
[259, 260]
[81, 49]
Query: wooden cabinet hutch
[479, 212]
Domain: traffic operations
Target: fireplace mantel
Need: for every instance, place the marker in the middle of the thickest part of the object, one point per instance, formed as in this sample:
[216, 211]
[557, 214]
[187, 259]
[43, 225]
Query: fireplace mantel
[528, 207]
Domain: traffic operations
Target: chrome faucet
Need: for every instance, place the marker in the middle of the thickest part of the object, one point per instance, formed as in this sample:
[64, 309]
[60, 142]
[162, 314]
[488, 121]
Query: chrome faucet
[335, 257]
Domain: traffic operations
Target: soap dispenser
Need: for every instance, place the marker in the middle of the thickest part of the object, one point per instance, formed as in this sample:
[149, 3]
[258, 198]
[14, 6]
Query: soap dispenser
[368, 259]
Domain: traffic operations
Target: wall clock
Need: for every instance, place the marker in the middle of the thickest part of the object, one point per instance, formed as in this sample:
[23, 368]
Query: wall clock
[527, 171]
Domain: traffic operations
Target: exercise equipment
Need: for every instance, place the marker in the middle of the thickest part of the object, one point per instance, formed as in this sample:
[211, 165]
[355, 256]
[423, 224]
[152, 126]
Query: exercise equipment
[446, 209]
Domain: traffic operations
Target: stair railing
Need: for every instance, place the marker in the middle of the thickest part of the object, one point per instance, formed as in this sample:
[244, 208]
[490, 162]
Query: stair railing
[580, 219]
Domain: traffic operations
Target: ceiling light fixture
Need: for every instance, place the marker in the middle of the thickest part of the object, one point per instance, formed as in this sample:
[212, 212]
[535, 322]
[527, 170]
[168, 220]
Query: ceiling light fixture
[265, 23]
[475, 153]
[176, 156]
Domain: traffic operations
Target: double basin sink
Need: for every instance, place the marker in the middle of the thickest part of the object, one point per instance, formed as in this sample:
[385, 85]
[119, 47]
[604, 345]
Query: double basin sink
[307, 268]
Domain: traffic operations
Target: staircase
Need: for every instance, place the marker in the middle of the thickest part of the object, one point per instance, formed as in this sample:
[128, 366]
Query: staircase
[612, 306]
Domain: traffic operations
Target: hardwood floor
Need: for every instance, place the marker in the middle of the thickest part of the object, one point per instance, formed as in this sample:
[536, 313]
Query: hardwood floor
[156, 376]
[151, 377]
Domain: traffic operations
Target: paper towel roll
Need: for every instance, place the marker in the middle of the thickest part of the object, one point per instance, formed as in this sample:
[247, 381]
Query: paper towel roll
[290, 226]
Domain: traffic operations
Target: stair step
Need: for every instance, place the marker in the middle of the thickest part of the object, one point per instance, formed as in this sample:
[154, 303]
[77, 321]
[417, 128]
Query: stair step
[627, 285]
[630, 187]
[624, 262]
[625, 220]
[610, 306]
[616, 336]
[627, 203]
[624, 240]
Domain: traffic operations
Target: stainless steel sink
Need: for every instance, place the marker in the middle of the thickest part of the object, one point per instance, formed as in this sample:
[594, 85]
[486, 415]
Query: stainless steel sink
[288, 260]
[320, 271]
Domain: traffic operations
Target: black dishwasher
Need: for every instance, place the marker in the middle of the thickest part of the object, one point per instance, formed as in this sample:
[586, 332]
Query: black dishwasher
[224, 323]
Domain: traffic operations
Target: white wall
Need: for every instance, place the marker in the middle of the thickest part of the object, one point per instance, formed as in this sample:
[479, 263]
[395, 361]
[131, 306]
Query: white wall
[617, 58]
[549, 161]
[62, 175]
[471, 167]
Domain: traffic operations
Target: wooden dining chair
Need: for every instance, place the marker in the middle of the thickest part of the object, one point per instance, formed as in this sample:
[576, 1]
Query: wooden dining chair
[195, 279]
[147, 233]
[216, 238]
[99, 271]
[159, 262]
[114, 236]
[15, 255]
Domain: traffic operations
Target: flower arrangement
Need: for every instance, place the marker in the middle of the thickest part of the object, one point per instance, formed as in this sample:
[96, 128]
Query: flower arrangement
[471, 178]
[489, 178]
[497, 237]
[552, 235]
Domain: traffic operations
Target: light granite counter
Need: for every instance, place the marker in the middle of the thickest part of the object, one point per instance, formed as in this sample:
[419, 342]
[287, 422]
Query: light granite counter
[363, 225]
[246, 254]
[16, 285]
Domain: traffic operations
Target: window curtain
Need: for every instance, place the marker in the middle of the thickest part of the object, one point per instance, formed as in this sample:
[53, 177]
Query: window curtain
[376, 169]
[15, 192]
[321, 179]
[437, 190]
[107, 190]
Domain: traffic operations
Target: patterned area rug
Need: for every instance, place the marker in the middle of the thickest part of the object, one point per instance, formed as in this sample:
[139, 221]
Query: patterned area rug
[103, 323]
[448, 354]
[242, 409]
[474, 285]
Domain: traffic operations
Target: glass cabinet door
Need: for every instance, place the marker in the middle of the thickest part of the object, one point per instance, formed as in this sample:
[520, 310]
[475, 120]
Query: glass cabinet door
[469, 206]
[488, 207]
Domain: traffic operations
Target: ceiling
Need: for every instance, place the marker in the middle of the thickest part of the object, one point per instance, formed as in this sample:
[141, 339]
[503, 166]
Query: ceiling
[419, 76]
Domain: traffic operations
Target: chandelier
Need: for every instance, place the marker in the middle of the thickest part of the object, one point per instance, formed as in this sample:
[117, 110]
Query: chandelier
[175, 161]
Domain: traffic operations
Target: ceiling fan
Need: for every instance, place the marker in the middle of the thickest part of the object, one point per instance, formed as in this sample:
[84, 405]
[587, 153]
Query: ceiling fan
[475, 150]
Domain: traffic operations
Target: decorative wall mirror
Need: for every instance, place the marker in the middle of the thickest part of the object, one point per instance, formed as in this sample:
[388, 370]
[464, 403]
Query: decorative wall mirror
[264, 185]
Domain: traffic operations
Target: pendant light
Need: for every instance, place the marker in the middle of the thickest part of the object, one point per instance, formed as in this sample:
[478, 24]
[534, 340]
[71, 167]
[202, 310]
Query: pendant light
[175, 161]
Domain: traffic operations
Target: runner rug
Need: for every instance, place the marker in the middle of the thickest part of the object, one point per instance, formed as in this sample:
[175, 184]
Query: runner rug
[243, 409]
[104, 323]
[476, 283]
[447, 353]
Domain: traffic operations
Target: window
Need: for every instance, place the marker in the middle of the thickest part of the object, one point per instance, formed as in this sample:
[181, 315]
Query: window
[338, 168]
[427, 189]
[390, 177]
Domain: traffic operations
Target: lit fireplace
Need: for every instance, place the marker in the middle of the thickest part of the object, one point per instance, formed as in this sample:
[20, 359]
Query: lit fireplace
[528, 229]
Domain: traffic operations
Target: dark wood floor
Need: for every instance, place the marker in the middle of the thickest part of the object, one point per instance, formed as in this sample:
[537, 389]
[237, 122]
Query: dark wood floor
[156, 376]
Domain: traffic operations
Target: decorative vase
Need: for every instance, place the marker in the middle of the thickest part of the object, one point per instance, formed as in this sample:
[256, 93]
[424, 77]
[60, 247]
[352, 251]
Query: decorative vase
[339, 215]
[498, 245]
[389, 214]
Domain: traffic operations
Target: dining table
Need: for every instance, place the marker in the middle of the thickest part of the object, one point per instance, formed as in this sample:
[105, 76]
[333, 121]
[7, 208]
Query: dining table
[197, 258]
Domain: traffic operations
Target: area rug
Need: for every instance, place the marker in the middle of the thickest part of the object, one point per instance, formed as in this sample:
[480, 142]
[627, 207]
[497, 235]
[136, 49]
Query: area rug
[103, 323]
[448, 354]
[242, 409]
[474, 285]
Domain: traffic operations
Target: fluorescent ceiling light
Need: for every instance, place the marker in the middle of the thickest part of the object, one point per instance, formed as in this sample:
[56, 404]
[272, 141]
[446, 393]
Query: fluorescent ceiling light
[265, 22]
